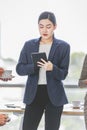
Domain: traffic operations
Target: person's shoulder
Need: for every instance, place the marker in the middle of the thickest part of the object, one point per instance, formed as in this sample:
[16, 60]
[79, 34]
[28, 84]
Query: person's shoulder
[63, 45]
[31, 41]
[62, 42]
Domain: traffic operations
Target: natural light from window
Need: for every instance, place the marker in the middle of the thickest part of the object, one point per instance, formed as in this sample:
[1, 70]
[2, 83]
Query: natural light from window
[18, 23]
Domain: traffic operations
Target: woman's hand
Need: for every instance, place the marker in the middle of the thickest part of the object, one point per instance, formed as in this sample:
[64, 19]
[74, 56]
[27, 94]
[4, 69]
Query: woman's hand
[47, 65]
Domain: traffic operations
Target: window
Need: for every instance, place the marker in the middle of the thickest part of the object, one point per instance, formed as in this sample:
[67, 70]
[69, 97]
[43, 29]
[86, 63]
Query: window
[18, 23]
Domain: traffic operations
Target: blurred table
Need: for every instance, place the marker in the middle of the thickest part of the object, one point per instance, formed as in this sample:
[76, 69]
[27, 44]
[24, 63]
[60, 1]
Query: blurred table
[68, 109]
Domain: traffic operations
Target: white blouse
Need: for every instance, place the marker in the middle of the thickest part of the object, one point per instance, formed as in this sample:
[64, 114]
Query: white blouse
[42, 72]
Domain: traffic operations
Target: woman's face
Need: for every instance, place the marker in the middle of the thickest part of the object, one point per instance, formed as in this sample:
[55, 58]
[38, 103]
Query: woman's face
[46, 28]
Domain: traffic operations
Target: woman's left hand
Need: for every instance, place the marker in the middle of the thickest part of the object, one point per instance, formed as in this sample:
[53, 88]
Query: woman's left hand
[47, 65]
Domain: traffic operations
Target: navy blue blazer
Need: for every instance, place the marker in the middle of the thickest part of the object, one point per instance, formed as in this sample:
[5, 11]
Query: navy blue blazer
[59, 55]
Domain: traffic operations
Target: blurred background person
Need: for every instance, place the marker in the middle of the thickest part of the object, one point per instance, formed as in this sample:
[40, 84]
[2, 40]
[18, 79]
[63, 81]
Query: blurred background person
[83, 84]
[4, 117]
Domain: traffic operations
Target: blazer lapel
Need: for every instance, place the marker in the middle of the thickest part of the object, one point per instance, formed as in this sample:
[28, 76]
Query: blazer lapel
[53, 48]
[36, 45]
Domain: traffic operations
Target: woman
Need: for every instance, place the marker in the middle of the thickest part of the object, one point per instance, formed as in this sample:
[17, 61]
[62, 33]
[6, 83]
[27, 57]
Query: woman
[44, 88]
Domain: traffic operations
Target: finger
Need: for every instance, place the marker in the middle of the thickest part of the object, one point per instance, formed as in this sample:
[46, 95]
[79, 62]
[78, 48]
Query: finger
[6, 79]
[3, 79]
[40, 63]
[43, 60]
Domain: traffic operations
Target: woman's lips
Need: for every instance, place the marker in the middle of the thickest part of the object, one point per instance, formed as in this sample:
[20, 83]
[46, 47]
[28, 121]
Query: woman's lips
[45, 34]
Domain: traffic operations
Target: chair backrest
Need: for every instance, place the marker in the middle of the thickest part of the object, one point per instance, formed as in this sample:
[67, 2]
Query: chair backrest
[83, 75]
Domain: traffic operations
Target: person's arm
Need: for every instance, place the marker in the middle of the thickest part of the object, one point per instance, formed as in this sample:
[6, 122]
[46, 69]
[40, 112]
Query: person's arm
[60, 72]
[3, 119]
[25, 66]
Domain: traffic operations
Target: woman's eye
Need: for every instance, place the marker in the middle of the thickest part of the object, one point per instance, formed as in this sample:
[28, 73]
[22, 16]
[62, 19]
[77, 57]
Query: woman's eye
[48, 27]
[41, 27]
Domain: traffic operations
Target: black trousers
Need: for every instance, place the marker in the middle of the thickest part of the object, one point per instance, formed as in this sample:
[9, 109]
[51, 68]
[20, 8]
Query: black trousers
[41, 104]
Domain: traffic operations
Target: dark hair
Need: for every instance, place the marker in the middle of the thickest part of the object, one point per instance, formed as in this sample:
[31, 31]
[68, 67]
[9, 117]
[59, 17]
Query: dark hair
[47, 15]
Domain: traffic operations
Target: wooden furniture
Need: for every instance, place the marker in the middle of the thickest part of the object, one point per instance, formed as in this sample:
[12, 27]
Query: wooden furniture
[68, 110]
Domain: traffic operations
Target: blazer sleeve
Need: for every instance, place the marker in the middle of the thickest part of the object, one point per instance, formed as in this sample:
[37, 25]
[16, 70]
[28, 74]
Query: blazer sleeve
[24, 65]
[60, 72]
